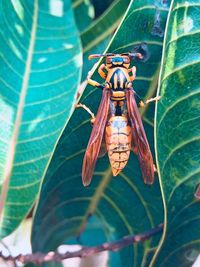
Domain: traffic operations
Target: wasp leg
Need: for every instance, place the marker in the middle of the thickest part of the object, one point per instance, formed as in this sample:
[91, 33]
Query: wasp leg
[88, 111]
[93, 82]
[101, 71]
[154, 99]
[133, 71]
[155, 169]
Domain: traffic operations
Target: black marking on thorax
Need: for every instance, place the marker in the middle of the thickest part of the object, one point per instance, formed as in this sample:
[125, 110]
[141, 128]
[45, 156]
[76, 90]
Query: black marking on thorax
[118, 80]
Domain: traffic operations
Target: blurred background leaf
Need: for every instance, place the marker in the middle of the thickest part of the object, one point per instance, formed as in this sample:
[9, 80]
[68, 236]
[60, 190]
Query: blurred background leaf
[116, 206]
[83, 12]
[178, 135]
[40, 62]
[101, 6]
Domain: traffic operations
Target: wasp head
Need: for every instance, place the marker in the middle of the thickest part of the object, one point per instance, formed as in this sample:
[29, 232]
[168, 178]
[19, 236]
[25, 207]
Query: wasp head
[117, 60]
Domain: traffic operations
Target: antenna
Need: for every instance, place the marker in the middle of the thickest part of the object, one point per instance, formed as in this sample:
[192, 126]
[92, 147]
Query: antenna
[132, 55]
[101, 55]
[96, 56]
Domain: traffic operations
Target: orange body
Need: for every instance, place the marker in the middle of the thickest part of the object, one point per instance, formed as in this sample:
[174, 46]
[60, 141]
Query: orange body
[118, 142]
[118, 120]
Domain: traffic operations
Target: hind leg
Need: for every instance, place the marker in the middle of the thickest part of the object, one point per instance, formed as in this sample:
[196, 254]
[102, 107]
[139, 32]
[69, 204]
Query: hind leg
[88, 111]
[154, 99]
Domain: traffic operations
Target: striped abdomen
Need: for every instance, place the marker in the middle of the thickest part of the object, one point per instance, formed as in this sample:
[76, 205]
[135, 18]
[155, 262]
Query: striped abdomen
[118, 142]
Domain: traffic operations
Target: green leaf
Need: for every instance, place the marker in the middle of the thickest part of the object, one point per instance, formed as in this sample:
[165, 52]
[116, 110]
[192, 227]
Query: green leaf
[123, 205]
[101, 6]
[178, 135]
[104, 25]
[97, 36]
[39, 72]
[83, 12]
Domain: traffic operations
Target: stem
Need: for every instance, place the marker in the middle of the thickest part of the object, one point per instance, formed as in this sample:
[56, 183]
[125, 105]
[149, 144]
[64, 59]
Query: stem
[39, 258]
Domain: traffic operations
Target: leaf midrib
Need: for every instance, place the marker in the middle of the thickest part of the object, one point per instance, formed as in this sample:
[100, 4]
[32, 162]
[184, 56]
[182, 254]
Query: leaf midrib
[96, 197]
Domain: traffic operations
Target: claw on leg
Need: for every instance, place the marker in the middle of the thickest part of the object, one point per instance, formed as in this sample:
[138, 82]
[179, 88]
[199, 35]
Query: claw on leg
[92, 121]
[141, 104]
[155, 170]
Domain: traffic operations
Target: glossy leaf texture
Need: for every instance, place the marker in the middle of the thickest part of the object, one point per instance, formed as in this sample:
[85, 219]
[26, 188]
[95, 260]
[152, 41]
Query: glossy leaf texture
[40, 61]
[122, 205]
[178, 135]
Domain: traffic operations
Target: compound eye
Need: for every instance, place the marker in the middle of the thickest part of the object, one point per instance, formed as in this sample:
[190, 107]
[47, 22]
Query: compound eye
[108, 60]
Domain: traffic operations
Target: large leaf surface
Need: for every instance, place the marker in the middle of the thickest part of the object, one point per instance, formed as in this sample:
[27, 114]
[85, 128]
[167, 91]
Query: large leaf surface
[124, 205]
[178, 135]
[39, 73]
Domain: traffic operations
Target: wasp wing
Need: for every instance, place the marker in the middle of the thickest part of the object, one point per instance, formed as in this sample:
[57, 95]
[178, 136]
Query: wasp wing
[141, 145]
[94, 144]
[103, 149]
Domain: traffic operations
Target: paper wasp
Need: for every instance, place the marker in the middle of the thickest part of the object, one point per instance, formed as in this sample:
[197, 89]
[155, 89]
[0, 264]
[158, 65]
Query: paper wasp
[118, 122]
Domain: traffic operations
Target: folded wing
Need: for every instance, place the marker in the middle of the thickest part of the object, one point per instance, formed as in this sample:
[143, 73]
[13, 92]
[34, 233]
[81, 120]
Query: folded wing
[94, 144]
[141, 145]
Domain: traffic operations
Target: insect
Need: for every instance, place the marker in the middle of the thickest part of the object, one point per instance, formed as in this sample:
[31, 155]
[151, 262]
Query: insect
[118, 122]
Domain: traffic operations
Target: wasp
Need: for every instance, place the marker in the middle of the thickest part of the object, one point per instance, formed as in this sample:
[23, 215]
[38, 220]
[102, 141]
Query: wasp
[118, 122]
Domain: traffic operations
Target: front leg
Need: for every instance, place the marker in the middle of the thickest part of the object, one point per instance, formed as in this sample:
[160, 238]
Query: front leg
[93, 82]
[101, 72]
[133, 71]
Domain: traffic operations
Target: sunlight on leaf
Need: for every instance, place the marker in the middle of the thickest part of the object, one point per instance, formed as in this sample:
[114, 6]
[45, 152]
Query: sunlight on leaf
[38, 83]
